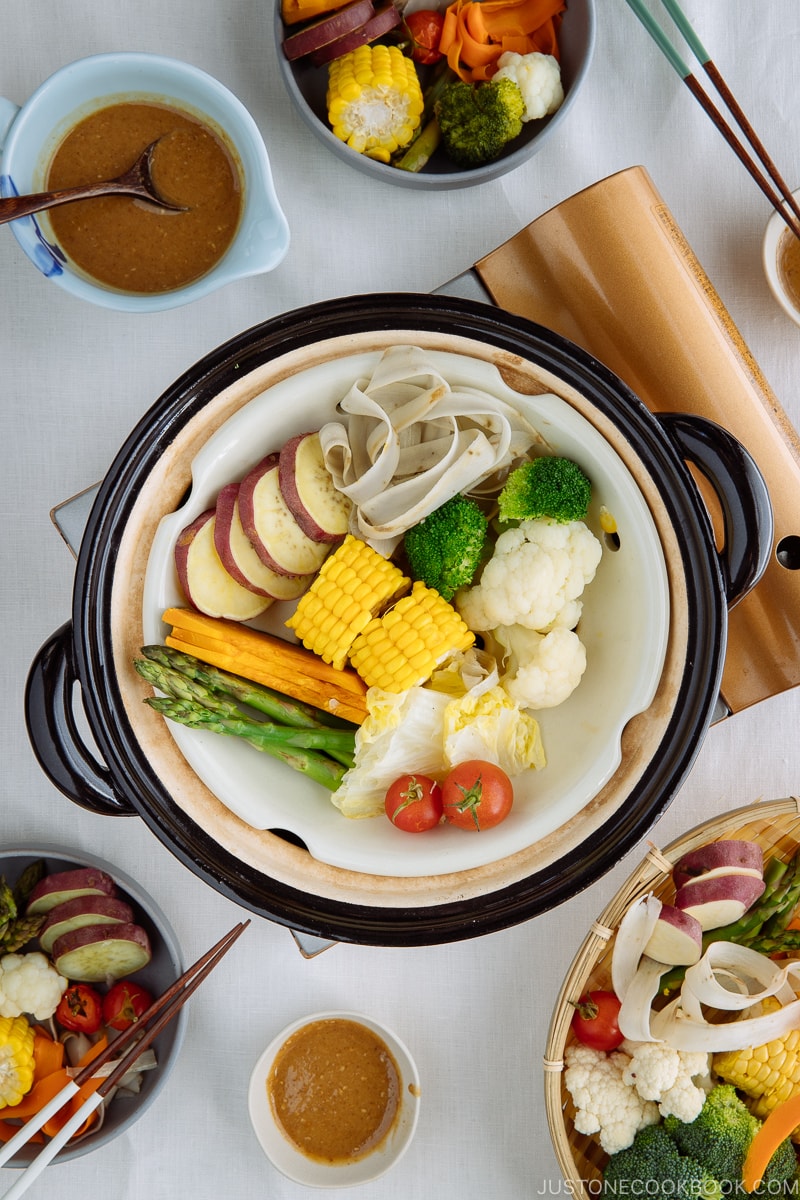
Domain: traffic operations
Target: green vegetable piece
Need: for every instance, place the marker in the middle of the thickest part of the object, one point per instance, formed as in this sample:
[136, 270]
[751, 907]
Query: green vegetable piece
[207, 695]
[21, 931]
[27, 881]
[445, 549]
[477, 120]
[212, 683]
[653, 1166]
[428, 137]
[720, 1137]
[546, 487]
[302, 749]
[8, 905]
[763, 926]
[16, 930]
[422, 149]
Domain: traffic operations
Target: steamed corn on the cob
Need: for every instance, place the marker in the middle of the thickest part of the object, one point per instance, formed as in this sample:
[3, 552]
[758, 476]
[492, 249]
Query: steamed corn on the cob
[16, 1059]
[353, 585]
[374, 100]
[768, 1075]
[402, 648]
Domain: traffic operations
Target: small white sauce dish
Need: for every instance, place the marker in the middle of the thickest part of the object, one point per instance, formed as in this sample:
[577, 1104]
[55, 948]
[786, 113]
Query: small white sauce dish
[295, 1165]
[777, 238]
[30, 133]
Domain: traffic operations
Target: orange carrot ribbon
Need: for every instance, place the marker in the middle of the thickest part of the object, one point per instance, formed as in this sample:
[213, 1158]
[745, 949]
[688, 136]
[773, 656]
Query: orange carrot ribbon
[477, 32]
[780, 1124]
[49, 1077]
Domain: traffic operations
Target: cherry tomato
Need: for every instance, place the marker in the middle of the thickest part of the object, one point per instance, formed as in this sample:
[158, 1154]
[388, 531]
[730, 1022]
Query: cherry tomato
[80, 1009]
[414, 803]
[477, 795]
[595, 1021]
[124, 1003]
[425, 30]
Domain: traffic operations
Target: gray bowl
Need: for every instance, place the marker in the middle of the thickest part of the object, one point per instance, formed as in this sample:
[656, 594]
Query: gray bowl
[307, 85]
[164, 967]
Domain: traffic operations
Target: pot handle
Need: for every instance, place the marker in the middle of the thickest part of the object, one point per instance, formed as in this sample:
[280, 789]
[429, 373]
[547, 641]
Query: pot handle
[747, 516]
[54, 734]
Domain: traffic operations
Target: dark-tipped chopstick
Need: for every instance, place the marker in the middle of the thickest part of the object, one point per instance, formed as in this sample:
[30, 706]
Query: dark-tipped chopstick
[138, 1038]
[780, 199]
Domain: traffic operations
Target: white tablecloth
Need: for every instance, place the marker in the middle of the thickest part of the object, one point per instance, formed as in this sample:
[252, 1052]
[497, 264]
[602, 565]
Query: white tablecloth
[75, 379]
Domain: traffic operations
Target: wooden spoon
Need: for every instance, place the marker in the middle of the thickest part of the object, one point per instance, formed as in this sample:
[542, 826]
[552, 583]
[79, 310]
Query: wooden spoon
[136, 181]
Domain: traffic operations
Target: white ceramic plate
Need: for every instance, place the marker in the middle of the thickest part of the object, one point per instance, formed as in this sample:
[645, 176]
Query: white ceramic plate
[624, 627]
[295, 1165]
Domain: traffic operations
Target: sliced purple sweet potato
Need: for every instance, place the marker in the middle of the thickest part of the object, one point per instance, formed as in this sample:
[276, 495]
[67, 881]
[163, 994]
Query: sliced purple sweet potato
[95, 953]
[66, 885]
[80, 911]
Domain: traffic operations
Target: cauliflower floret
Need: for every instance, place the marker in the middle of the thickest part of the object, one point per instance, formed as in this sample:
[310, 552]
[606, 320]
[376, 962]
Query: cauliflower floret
[605, 1103]
[538, 77]
[540, 670]
[667, 1076]
[534, 578]
[29, 983]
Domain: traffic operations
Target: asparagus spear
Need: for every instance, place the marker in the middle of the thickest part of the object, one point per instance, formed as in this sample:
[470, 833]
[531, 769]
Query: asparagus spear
[780, 943]
[763, 926]
[298, 748]
[27, 882]
[339, 743]
[422, 148]
[246, 691]
[183, 687]
[429, 135]
[20, 931]
[15, 928]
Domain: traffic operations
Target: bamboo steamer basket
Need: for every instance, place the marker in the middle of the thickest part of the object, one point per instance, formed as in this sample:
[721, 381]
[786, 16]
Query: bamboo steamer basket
[775, 826]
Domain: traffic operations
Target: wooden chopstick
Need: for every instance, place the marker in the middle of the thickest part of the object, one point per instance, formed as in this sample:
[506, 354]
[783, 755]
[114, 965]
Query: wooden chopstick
[172, 999]
[779, 199]
[709, 66]
[136, 1038]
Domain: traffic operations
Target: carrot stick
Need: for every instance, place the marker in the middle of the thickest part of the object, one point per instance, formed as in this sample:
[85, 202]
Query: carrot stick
[40, 1094]
[48, 1054]
[779, 1125]
[59, 1119]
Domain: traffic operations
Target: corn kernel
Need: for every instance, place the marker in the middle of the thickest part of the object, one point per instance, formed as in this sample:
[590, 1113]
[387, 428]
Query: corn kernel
[768, 1074]
[353, 584]
[384, 113]
[16, 1059]
[402, 648]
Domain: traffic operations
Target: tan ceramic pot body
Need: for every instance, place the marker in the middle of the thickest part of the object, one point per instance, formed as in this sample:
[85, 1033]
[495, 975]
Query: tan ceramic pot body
[144, 773]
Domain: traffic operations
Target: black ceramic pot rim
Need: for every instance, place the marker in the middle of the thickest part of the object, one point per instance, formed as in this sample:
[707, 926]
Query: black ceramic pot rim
[134, 779]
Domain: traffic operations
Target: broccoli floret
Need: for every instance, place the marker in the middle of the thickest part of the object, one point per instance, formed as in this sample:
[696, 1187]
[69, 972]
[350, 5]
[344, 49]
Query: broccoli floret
[782, 1173]
[476, 120]
[445, 549]
[720, 1137]
[545, 487]
[652, 1166]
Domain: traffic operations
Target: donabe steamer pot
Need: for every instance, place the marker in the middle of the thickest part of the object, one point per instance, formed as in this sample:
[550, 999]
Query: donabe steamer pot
[141, 771]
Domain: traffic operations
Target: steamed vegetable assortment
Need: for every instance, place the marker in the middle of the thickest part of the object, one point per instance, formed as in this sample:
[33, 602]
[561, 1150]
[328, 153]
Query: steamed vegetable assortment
[405, 83]
[60, 1005]
[436, 585]
[709, 1027]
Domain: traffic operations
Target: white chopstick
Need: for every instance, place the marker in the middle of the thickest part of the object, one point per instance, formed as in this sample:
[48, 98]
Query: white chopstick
[52, 1147]
[164, 1009]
